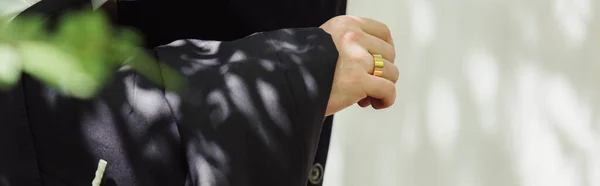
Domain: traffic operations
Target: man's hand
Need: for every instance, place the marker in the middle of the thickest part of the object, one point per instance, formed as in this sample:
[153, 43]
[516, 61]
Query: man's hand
[356, 40]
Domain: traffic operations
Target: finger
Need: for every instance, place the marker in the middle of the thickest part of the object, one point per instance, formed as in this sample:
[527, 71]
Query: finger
[376, 45]
[390, 71]
[364, 102]
[381, 89]
[379, 104]
[375, 28]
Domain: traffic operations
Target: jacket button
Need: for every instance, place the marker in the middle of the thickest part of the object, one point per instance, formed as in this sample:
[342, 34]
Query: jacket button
[316, 174]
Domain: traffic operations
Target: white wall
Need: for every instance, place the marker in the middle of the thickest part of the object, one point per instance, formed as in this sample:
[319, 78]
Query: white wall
[492, 93]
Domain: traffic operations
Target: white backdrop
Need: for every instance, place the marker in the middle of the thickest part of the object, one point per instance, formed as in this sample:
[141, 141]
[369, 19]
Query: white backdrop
[492, 93]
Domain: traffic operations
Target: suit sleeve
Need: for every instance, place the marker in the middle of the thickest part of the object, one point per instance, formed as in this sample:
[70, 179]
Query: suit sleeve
[253, 109]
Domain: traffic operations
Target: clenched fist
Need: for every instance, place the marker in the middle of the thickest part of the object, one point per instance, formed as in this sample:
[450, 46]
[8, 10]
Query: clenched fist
[356, 40]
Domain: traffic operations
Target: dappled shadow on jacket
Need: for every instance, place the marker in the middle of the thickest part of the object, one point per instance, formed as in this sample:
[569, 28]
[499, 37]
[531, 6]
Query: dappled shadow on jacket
[250, 114]
[248, 105]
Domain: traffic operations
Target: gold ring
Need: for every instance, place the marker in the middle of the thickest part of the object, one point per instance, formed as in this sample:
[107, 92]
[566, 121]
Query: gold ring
[378, 70]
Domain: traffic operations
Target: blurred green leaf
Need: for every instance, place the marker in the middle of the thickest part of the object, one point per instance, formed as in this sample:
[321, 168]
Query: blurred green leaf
[86, 35]
[146, 66]
[26, 28]
[59, 69]
[174, 80]
[79, 57]
[124, 46]
[3, 30]
[159, 73]
[126, 49]
[10, 66]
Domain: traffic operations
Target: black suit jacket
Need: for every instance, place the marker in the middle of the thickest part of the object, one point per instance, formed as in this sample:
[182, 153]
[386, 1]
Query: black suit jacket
[252, 113]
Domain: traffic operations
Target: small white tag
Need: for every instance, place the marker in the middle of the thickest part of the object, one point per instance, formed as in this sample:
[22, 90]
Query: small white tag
[99, 173]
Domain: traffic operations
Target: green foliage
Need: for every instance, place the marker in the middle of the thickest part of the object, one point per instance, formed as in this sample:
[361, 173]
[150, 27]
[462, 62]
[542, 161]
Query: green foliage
[10, 66]
[25, 29]
[79, 57]
[60, 69]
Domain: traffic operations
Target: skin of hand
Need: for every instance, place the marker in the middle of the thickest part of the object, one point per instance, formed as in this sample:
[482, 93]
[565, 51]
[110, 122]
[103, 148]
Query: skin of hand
[356, 40]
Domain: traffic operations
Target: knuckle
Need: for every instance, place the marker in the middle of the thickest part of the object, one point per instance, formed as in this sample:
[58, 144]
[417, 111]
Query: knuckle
[391, 89]
[387, 33]
[353, 36]
[391, 99]
[357, 57]
[397, 74]
[345, 19]
[393, 54]
[342, 21]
